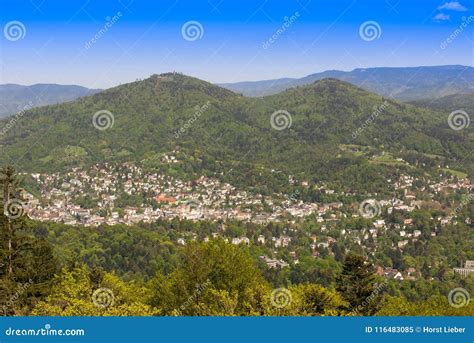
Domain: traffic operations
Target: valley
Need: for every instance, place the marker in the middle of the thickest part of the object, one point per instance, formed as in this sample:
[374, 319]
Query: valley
[135, 181]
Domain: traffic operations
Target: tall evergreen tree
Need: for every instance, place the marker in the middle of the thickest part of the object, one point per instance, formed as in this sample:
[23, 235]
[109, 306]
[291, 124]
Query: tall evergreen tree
[12, 208]
[357, 283]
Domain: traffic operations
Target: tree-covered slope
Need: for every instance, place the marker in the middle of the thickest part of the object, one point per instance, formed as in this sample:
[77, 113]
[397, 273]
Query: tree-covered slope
[449, 103]
[213, 130]
[403, 83]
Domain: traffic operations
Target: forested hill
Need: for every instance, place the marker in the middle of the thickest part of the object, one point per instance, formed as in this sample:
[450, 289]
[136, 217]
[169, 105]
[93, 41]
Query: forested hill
[299, 131]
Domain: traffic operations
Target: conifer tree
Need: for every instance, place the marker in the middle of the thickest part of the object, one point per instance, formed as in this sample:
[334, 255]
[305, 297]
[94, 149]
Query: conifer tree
[357, 283]
[27, 264]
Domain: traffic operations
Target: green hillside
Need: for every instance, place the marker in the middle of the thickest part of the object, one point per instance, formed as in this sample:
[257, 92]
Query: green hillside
[449, 103]
[214, 131]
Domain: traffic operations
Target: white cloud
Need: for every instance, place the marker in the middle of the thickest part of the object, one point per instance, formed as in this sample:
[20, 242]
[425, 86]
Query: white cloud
[441, 17]
[453, 5]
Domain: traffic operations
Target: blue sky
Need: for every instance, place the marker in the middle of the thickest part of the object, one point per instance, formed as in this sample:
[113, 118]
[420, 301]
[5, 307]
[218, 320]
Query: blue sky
[234, 40]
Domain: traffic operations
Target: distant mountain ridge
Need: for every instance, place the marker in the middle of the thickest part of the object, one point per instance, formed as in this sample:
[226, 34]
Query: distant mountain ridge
[402, 83]
[15, 98]
[449, 103]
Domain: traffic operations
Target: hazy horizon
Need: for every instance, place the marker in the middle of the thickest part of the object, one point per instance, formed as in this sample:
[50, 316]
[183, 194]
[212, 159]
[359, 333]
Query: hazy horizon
[100, 45]
[220, 83]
